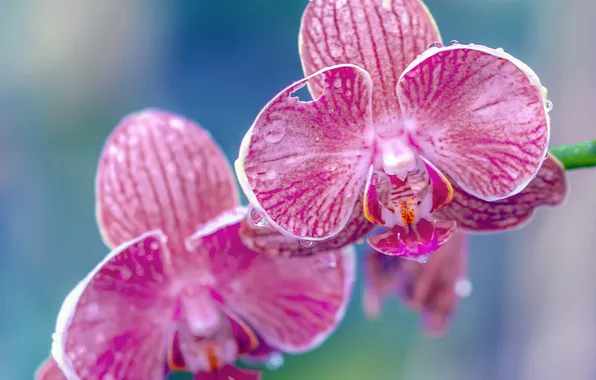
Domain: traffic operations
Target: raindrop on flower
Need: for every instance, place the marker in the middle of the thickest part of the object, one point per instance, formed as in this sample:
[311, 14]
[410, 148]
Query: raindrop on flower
[435, 44]
[500, 50]
[330, 168]
[423, 259]
[256, 217]
[270, 175]
[274, 362]
[549, 105]
[337, 83]
[463, 287]
[275, 131]
[454, 42]
[306, 243]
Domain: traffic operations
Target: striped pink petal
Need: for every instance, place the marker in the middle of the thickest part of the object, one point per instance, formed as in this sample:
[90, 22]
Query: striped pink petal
[303, 164]
[478, 114]
[49, 370]
[415, 241]
[473, 214]
[160, 171]
[115, 323]
[381, 36]
[268, 241]
[433, 288]
[292, 303]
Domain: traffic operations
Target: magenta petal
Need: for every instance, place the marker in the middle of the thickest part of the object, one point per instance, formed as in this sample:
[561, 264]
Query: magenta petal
[382, 37]
[414, 242]
[304, 163]
[478, 114]
[160, 171]
[292, 303]
[440, 187]
[229, 373]
[475, 215]
[115, 323]
[49, 370]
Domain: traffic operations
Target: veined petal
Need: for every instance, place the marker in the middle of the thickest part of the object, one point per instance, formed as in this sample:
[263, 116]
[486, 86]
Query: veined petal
[414, 241]
[475, 215]
[268, 241]
[431, 288]
[115, 322]
[382, 36]
[440, 187]
[159, 170]
[49, 370]
[478, 114]
[229, 372]
[303, 164]
[292, 303]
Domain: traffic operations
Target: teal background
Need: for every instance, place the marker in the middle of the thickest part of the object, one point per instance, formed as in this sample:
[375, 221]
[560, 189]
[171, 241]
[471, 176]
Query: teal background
[70, 69]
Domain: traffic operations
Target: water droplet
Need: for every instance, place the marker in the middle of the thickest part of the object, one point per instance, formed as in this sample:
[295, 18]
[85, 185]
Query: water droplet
[275, 131]
[270, 175]
[500, 50]
[306, 243]
[463, 287]
[423, 259]
[549, 105]
[348, 93]
[337, 83]
[256, 217]
[274, 362]
[330, 167]
[375, 179]
[454, 42]
[435, 44]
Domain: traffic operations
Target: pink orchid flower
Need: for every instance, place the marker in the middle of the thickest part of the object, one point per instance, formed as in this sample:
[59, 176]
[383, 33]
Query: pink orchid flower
[180, 291]
[433, 288]
[388, 110]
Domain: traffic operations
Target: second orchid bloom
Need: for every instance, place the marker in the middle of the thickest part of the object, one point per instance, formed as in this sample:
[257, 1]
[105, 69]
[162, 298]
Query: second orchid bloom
[404, 123]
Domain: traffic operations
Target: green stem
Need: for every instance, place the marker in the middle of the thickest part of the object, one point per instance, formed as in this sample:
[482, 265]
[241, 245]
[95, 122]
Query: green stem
[576, 156]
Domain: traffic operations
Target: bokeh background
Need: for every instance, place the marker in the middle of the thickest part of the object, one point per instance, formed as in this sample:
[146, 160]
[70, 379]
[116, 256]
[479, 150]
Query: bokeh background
[70, 69]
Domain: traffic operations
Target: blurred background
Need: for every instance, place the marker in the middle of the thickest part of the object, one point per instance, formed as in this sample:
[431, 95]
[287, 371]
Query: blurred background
[70, 69]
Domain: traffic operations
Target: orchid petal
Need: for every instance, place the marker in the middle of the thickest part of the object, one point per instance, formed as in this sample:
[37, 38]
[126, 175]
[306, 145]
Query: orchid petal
[49, 370]
[115, 322]
[440, 187]
[268, 241]
[160, 171]
[475, 215]
[382, 36]
[479, 115]
[304, 163]
[428, 287]
[292, 303]
[229, 372]
[415, 241]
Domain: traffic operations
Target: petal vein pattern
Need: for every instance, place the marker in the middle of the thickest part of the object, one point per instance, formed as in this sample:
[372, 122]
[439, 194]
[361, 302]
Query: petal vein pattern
[304, 163]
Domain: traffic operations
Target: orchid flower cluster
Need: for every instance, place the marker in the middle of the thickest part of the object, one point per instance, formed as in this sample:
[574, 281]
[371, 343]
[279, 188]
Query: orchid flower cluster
[406, 141]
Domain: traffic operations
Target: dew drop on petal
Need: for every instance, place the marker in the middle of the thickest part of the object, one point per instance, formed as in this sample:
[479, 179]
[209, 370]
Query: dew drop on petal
[549, 105]
[423, 259]
[330, 168]
[256, 217]
[463, 287]
[500, 50]
[435, 44]
[306, 243]
[274, 362]
[270, 175]
[454, 42]
[275, 131]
